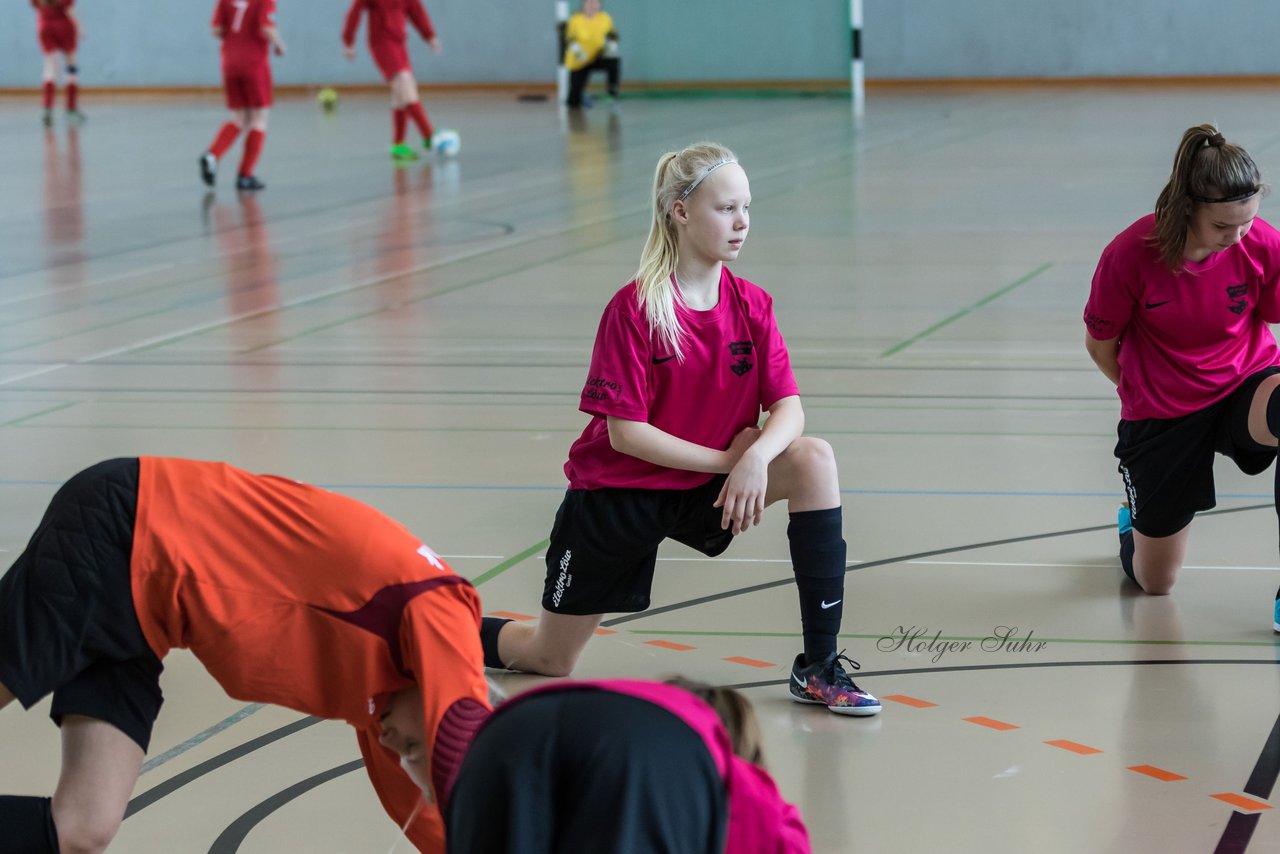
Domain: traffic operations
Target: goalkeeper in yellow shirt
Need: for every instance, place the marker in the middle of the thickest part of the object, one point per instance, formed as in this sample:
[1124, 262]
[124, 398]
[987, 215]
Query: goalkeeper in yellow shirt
[591, 43]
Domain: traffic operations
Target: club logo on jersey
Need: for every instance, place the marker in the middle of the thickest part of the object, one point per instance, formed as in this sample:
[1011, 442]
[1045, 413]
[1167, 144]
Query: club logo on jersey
[1239, 299]
[600, 388]
[432, 557]
[741, 350]
[1098, 325]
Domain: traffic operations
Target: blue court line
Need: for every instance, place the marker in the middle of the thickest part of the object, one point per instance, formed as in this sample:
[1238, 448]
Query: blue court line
[464, 487]
[200, 738]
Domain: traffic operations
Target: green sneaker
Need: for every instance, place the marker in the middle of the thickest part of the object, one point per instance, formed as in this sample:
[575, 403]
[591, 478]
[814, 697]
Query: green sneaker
[403, 152]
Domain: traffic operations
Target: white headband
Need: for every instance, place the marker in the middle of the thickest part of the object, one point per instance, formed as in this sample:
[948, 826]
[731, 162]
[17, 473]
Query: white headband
[702, 177]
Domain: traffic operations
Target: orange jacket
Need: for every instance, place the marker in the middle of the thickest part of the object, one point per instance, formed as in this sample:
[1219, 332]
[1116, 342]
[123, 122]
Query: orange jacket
[292, 595]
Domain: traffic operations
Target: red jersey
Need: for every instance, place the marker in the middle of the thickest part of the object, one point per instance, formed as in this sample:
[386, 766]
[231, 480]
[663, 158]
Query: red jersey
[243, 24]
[55, 12]
[292, 595]
[387, 20]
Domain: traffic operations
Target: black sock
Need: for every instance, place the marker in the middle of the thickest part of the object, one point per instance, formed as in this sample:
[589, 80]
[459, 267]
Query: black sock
[818, 556]
[1126, 555]
[489, 629]
[28, 825]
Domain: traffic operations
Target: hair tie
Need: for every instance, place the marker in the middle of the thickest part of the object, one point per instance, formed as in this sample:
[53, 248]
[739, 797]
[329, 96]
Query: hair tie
[702, 176]
[1217, 140]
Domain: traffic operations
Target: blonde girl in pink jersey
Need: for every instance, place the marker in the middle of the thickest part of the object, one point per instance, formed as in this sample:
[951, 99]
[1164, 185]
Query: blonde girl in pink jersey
[1178, 318]
[686, 358]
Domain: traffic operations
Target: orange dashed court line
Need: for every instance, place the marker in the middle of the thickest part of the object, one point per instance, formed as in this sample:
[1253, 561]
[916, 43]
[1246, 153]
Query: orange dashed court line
[1241, 802]
[1082, 749]
[909, 701]
[678, 647]
[750, 662]
[992, 723]
[510, 615]
[605, 632]
[1158, 773]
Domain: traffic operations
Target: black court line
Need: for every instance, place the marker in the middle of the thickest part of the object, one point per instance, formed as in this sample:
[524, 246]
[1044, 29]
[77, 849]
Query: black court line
[782, 582]
[1027, 665]
[1271, 755]
[1239, 830]
[1260, 784]
[176, 782]
[229, 841]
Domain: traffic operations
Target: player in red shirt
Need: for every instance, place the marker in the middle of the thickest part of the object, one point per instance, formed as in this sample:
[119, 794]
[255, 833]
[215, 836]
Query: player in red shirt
[388, 44]
[247, 29]
[286, 593]
[59, 31]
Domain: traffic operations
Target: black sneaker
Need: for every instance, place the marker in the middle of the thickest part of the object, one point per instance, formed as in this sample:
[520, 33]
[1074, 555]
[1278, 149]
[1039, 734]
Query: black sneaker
[208, 168]
[825, 683]
[248, 182]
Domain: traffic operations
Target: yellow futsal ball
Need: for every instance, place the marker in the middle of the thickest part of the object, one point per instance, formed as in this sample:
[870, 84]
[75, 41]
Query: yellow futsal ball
[327, 98]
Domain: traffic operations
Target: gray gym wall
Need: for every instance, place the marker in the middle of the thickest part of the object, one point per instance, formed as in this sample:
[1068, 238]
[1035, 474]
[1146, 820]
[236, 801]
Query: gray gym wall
[157, 43]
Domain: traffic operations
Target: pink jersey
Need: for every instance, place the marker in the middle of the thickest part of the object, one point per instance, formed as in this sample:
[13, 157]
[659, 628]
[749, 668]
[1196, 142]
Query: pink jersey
[735, 364]
[1186, 339]
[243, 24]
[760, 821]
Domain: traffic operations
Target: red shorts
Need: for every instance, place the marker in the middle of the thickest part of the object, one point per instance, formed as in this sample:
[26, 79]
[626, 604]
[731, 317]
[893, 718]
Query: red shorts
[58, 37]
[247, 88]
[390, 57]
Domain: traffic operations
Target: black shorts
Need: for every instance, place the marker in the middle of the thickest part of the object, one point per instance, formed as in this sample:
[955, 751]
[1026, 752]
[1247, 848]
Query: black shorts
[605, 541]
[1167, 463]
[67, 620]
[586, 770]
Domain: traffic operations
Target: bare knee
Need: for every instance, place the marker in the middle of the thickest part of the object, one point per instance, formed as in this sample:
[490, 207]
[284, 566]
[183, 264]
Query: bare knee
[532, 650]
[1156, 579]
[84, 831]
[812, 455]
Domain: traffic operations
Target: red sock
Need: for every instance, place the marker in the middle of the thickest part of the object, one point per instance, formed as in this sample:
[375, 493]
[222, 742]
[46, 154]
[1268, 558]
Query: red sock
[73, 92]
[419, 117]
[399, 122]
[252, 148]
[226, 137]
[48, 94]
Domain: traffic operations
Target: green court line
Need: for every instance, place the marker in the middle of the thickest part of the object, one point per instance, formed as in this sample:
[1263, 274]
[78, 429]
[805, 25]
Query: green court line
[902, 345]
[508, 563]
[319, 328]
[17, 421]
[925, 638]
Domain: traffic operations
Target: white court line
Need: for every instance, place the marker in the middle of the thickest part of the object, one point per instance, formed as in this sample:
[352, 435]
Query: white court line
[105, 280]
[1074, 565]
[533, 237]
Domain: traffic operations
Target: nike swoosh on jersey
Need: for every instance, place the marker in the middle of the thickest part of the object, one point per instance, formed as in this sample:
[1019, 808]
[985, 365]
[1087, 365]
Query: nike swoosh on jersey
[1158, 304]
[658, 361]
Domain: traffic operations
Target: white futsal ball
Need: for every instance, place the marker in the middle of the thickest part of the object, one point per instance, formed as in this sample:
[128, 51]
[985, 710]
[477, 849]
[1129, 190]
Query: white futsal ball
[446, 141]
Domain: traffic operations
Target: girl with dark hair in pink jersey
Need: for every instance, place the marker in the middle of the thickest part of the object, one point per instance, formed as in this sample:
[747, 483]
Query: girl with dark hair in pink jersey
[1178, 318]
[686, 357]
[621, 765]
